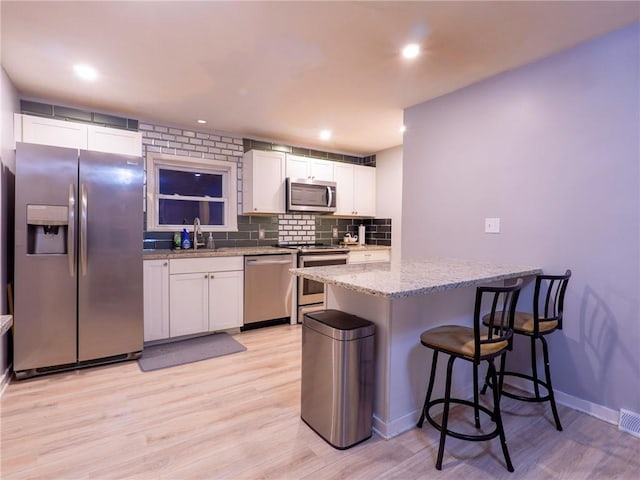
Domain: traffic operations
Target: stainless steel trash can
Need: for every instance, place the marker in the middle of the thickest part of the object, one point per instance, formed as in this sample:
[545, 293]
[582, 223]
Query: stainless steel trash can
[337, 376]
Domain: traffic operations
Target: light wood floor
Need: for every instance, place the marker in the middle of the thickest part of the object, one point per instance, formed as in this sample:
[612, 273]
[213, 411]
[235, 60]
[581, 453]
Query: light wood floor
[238, 417]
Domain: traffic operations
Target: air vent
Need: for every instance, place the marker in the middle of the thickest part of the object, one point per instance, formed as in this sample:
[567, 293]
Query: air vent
[629, 422]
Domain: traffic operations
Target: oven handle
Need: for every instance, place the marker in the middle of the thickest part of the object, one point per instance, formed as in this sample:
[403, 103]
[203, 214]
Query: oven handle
[338, 256]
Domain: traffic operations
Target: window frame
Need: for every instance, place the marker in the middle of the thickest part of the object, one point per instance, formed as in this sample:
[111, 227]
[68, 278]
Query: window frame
[228, 170]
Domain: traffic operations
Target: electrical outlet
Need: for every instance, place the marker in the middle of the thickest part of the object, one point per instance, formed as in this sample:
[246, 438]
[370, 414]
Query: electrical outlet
[491, 225]
[334, 232]
[260, 233]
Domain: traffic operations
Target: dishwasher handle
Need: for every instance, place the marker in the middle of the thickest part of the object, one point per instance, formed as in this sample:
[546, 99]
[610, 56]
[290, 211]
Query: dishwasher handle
[269, 262]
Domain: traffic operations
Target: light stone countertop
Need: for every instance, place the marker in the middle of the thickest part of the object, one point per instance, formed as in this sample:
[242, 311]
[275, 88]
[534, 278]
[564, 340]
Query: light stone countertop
[217, 252]
[164, 254]
[417, 277]
[6, 321]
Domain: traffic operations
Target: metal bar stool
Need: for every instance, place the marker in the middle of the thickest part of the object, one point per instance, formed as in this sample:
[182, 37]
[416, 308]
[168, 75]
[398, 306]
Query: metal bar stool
[548, 305]
[473, 344]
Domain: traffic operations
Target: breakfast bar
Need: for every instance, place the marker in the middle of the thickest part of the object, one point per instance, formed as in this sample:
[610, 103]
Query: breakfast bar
[403, 299]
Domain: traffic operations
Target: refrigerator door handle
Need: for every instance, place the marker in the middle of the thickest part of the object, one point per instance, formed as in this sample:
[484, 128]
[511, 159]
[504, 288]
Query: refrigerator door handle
[71, 233]
[83, 229]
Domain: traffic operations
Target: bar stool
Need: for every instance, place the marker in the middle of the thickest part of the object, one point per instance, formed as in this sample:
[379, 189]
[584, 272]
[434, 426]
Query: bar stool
[548, 305]
[473, 345]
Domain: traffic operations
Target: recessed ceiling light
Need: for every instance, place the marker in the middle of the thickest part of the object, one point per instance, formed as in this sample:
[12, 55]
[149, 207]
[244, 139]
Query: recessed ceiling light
[411, 51]
[85, 72]
[403, 128]
[201, 121]
[325, 134]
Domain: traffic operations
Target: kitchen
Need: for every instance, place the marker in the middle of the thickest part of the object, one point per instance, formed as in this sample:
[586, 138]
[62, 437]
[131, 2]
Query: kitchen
[603, 303]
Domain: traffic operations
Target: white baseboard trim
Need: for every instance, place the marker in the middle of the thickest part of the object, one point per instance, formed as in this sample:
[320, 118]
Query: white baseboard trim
[395, 427]
[408, 421]
[6, 378]
[598, 411]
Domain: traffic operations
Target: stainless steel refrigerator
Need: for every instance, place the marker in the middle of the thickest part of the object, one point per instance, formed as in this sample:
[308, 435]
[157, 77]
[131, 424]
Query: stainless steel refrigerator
[78, 258]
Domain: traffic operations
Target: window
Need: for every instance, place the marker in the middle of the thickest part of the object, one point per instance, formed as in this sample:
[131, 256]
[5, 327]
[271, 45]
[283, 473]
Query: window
[179, 189]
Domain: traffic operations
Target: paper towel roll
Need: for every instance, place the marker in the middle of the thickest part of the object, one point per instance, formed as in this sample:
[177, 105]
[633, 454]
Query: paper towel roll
[361, 232]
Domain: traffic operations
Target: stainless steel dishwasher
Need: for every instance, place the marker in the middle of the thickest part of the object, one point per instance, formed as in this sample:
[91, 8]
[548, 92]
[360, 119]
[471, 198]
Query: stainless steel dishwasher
[268, 287]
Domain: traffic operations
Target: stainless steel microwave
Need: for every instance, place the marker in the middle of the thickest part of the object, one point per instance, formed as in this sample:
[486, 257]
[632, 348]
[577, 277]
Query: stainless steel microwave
[306, 195]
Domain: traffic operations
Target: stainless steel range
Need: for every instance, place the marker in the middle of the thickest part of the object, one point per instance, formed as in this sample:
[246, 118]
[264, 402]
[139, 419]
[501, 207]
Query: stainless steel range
[311, 293]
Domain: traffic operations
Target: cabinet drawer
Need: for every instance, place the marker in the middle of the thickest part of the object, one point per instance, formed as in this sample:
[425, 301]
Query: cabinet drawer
[207, 264]
[369, 256]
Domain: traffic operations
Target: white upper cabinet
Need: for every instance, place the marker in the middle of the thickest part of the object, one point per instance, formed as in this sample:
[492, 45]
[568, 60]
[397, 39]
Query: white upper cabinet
[343, 173]
[48, 131]
[114, 140]
[364, 191]
[263, 186]
[59, 133]
[356, 190]
[310, 168]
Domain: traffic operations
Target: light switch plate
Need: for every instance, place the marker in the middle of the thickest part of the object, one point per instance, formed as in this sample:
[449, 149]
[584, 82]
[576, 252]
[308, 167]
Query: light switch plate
[260, 233]
[334, 232]
[491, 225]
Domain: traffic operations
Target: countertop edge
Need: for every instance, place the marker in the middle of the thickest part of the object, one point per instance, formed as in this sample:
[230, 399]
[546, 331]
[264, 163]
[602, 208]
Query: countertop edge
[165, 254]
[529, 271]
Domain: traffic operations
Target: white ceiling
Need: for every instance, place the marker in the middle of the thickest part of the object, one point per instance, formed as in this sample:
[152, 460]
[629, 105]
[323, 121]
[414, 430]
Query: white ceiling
[283, 71]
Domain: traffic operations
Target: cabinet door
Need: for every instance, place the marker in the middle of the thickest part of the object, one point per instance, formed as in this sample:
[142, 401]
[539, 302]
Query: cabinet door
[343, 174]
[321, 170]
[263, 184]
[47, 131]
[113, 140]
[156, 299]
[298, 167]
[225, 300]
[189, 306]
[364, 191]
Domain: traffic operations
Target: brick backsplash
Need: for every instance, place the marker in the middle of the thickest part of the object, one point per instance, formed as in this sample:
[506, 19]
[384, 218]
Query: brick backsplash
[296, 228]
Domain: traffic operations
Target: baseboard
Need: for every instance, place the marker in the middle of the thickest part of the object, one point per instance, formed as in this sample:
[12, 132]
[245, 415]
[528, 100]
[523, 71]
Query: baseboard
[408, 421]
[395, 427]
[598, 411]
[6, 378]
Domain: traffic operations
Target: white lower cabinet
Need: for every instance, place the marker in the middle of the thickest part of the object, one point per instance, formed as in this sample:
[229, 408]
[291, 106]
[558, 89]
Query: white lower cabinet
[225, 300]
[156, 299]
[369, 256]
[189, 311]
[206, 294]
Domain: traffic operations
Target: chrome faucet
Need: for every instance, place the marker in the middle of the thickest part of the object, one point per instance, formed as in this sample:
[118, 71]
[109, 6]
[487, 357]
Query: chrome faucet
[197, 230]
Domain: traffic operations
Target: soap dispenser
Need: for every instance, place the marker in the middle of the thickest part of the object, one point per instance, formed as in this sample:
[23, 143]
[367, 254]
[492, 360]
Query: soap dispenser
[186, 242]
[210, 243]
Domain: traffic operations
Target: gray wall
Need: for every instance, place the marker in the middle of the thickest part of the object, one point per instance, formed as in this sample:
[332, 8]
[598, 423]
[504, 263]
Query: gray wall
[552, 149]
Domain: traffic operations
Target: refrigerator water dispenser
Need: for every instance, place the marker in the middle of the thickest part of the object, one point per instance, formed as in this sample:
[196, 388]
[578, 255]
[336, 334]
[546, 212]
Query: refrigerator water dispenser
[47, 229]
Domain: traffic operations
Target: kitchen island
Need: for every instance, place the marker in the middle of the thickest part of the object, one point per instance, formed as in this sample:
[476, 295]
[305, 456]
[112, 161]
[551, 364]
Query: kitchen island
[403, 299]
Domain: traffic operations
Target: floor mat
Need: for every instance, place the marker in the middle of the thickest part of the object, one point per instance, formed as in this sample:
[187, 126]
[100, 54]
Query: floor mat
[188, 351]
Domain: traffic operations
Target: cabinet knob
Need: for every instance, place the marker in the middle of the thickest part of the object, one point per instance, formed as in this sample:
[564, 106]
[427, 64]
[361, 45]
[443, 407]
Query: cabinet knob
[206, 276]
[165, 264]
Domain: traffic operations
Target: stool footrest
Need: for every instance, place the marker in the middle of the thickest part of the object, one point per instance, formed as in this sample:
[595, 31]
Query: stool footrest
[525, 398]
[462, 436]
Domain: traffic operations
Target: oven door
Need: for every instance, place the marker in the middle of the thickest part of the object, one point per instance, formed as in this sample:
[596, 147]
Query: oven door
[310, 291]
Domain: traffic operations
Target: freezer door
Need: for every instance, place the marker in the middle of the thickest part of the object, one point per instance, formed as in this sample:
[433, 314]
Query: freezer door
[110, 296]
[44, 283]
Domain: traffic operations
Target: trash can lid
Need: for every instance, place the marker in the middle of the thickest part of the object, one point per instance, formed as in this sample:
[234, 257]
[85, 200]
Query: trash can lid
[339, 325]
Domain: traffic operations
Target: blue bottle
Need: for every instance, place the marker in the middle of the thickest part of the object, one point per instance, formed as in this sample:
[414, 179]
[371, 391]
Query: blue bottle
[186, 243]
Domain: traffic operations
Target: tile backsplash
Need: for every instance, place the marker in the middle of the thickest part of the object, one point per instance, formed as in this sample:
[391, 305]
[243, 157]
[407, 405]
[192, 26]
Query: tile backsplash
[287, 229]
